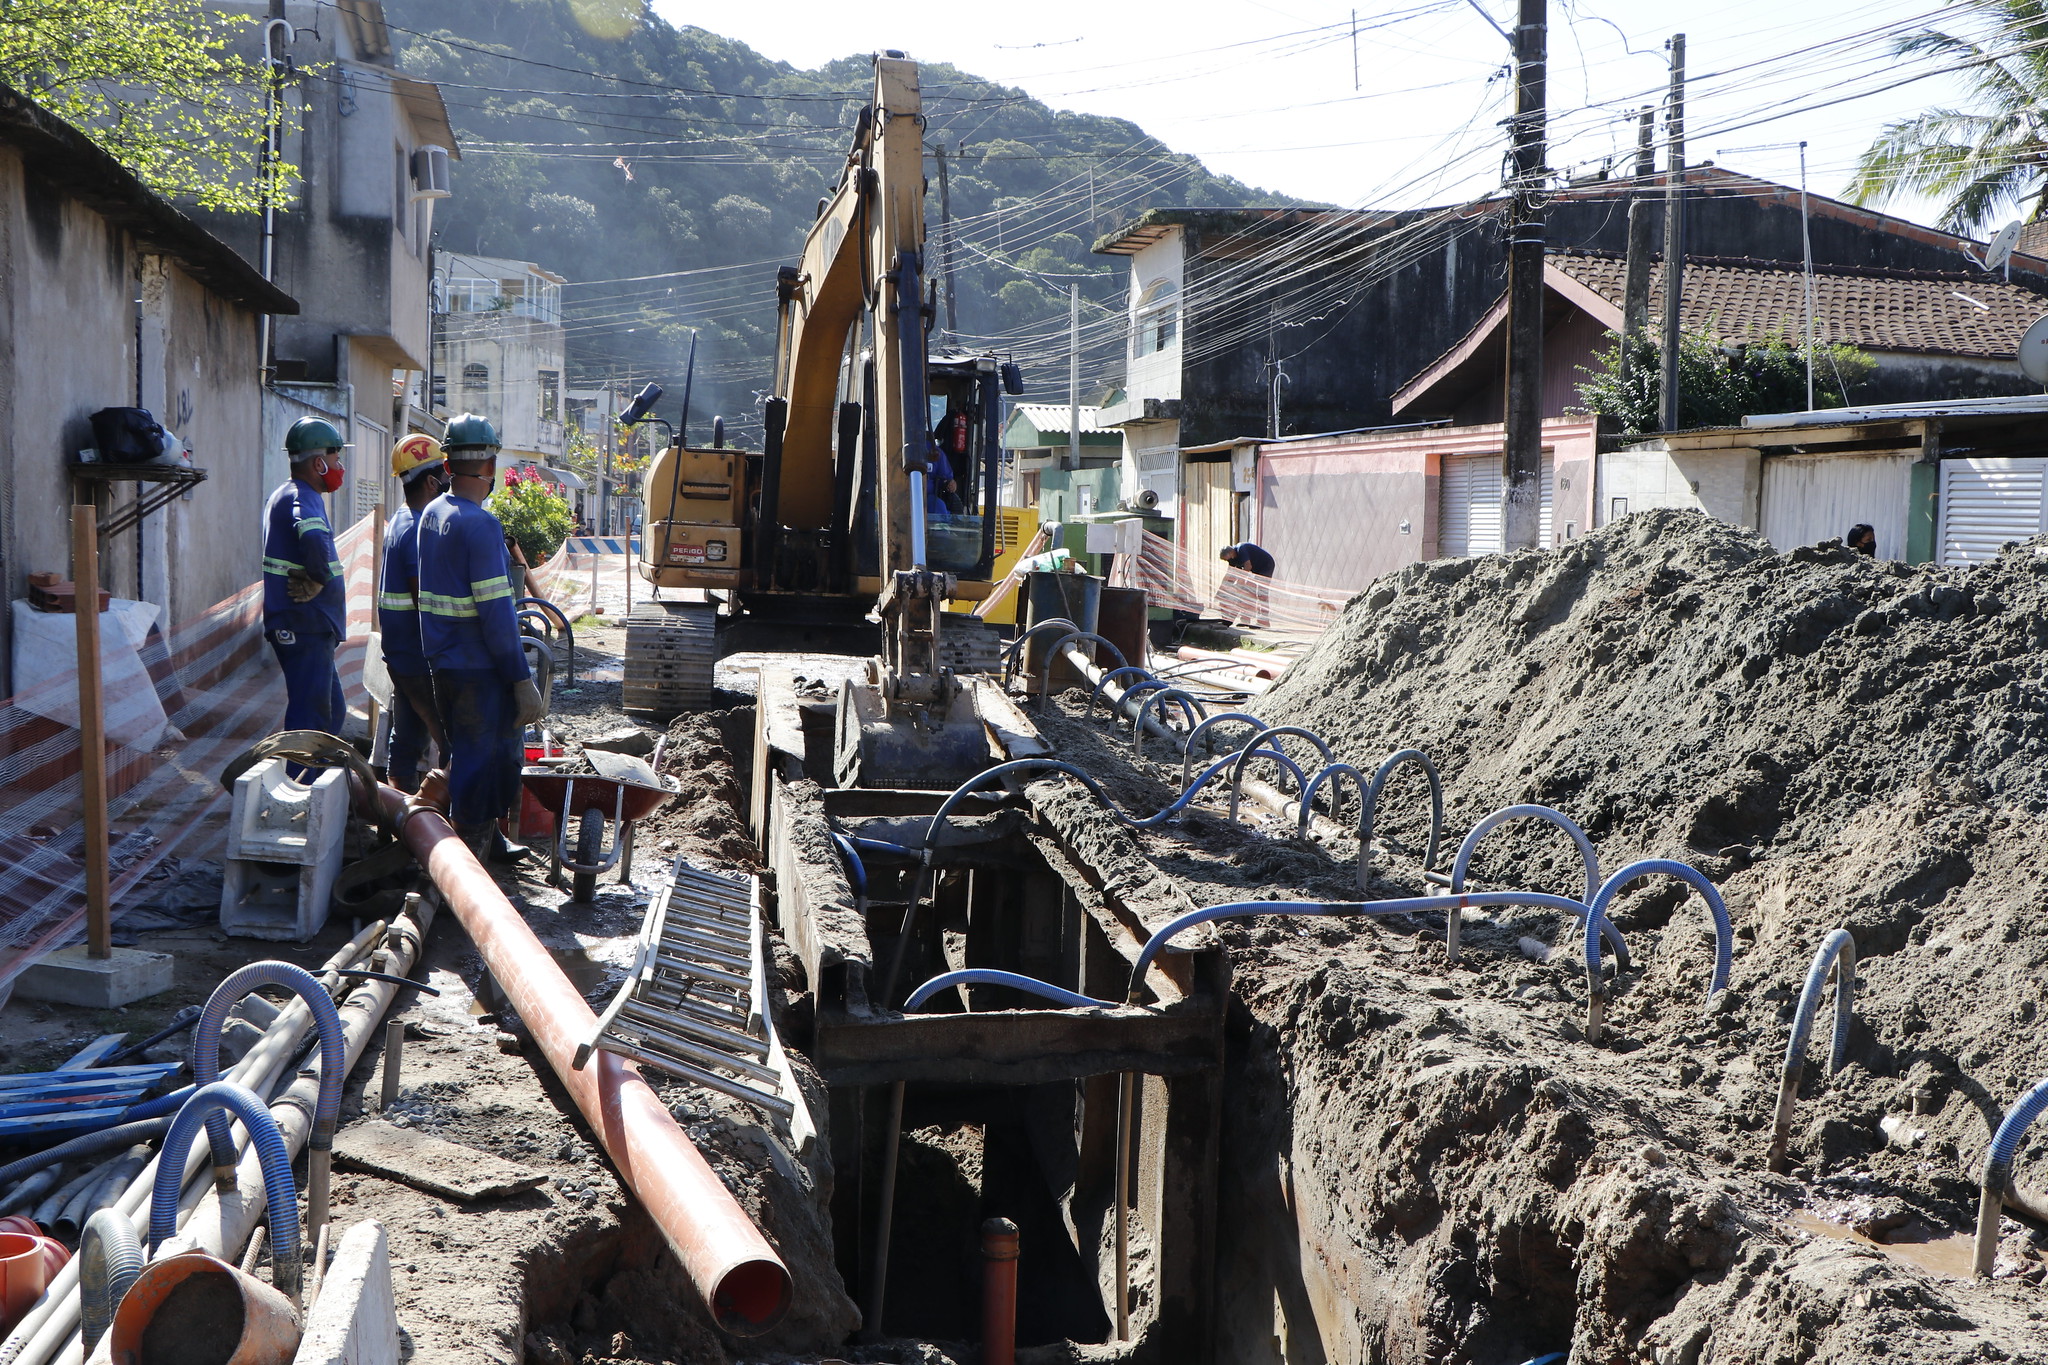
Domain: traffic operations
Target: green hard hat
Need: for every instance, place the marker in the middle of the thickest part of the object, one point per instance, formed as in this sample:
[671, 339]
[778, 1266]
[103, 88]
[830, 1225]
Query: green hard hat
[310, 436]
[469, 432]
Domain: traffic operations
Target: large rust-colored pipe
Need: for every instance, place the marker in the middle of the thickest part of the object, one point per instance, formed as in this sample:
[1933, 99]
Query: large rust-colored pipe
[999, 1292]
[721, 1250]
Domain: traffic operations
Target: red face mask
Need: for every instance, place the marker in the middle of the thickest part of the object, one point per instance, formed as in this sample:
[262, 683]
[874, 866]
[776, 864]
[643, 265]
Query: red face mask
[331, 476]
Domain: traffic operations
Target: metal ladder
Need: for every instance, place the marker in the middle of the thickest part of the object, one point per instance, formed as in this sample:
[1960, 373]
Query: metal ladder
[694, 1004]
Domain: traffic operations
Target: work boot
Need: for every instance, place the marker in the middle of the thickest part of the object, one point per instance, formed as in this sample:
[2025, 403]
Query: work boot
[503, 850]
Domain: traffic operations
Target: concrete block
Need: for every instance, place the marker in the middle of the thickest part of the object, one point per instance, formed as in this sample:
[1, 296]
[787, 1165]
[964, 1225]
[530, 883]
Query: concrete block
[69, 977]
[355, 1319]
[284, 852]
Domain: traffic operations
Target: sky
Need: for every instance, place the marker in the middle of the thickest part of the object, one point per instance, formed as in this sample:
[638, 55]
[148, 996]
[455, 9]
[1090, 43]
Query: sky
[1273, 93]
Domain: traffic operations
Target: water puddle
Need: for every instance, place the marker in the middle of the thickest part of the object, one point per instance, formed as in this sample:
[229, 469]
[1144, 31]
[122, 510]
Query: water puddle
[1938, 1253]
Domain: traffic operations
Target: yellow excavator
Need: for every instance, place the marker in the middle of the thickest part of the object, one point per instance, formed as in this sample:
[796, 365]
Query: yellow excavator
[836, 522]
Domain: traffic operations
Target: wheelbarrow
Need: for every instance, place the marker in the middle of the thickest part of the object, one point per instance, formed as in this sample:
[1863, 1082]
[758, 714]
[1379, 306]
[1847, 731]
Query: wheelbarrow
[623, 791]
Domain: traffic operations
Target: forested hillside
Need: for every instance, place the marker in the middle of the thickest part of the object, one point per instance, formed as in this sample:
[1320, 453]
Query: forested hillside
[667, 172]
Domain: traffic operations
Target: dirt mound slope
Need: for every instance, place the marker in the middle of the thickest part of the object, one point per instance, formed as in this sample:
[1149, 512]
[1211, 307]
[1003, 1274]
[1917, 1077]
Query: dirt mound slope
[1837, 742]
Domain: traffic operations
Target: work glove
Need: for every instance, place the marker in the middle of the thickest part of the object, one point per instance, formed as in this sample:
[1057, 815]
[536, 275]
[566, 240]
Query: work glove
[302, 586]
[530, 705]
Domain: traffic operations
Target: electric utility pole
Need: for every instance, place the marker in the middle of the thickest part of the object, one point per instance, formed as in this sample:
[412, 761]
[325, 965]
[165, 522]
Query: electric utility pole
[1635, 290]
[946, 242]
[1674, 233]
[1073, 376]
[1522, 466]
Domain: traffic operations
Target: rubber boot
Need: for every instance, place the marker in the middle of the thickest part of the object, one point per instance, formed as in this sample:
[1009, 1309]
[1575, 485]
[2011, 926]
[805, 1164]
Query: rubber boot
[503, 851]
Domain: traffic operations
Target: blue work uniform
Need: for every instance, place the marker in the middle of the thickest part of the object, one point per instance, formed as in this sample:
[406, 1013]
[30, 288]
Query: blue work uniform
[469, 631]
[405, 658]
[1253, 559]
[303, 635]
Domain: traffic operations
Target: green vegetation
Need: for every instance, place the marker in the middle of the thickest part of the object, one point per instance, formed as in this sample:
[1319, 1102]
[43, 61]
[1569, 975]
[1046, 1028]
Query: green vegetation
[674, 150]
[1718, 385]
[153, 83]
[1981, 161]
[534, 515]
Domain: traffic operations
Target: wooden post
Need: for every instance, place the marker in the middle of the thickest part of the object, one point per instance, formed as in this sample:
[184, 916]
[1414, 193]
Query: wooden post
[92, 727]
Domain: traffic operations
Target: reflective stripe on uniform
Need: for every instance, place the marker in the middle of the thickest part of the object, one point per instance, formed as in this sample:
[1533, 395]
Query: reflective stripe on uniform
[441, 605]
[283, 566]
[491, 589]
[303, 524]
[395, 601]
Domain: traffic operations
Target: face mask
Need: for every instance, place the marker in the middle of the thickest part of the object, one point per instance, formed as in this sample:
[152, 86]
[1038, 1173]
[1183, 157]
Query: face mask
[330, 476]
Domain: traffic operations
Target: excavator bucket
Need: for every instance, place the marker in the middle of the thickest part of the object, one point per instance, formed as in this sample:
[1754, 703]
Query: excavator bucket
[934, 747]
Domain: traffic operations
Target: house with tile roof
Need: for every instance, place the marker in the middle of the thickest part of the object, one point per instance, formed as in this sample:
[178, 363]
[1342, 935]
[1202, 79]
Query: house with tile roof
[1339, 510]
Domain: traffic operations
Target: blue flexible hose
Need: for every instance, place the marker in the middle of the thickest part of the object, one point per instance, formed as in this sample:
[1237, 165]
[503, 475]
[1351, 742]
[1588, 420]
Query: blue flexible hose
[1724, 931]
[1470, 846]
[1405, 905]
[1187, 748]
[1838, 949]
[85, 1144]
[109, 1259]
[224, 1098]
[990, 976]
[1110, 677]
[2005, 1144]
[206, 1053]
[1381, 775]
[856, 871]
[1244, 756]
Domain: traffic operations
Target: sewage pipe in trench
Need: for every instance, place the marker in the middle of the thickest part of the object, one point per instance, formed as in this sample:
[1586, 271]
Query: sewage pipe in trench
[327, 1115]
[999, 1292]
[742, 1280]
[1998, 1159]
[50, 1331]
[1837, 955]
[1596, 921]
[1463, 862]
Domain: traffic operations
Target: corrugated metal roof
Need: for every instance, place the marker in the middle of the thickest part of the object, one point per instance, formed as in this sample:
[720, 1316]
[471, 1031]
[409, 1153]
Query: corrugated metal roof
[1050, 417]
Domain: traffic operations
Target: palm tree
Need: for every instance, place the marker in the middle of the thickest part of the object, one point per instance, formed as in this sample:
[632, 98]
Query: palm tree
[1989, 157]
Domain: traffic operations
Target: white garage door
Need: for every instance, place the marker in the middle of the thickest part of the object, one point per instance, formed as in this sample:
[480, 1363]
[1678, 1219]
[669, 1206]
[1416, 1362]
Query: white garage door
[1809, 498]
[1469, 516]
[1985, 503]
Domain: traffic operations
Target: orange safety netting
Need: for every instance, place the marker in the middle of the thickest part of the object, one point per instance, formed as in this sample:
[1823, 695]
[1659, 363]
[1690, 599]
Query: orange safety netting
[1270, 605]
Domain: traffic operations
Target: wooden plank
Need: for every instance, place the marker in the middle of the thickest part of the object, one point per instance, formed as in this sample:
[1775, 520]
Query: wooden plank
[1016, 1047]
[93, 1051]
[92, 731]
[428, 1163]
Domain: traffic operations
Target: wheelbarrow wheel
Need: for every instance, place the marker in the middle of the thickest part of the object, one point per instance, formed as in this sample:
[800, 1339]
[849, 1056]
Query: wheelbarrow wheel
[589, 843]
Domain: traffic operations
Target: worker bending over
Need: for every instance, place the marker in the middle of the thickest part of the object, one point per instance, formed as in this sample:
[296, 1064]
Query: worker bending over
[469, 629]
[417, 463]
[304, 604]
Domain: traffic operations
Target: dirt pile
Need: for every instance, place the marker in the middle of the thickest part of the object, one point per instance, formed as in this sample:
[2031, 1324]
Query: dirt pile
[1430, 1163]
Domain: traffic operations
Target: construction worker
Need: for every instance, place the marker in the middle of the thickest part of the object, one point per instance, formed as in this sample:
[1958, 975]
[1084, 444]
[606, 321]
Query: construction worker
[417, 463]
[469, 630]
[304, 603]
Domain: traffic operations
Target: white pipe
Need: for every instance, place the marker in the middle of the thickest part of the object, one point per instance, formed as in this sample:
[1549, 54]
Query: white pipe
[50, 1331]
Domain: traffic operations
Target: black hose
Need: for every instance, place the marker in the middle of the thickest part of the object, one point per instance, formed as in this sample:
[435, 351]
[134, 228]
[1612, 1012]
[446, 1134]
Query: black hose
[386, 976]
[182, 1020]
[87, 1144]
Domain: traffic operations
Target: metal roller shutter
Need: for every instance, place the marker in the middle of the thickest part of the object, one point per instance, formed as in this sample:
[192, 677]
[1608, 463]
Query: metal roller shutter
[1547, 493]
[1469, 522]
[1986, 503]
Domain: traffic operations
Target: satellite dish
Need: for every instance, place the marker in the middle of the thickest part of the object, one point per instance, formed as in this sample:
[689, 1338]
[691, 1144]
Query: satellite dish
[1999, 254]
[2033, 355]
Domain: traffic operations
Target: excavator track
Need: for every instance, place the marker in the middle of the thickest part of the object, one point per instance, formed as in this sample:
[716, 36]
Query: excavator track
[967, 645]
[671, 655]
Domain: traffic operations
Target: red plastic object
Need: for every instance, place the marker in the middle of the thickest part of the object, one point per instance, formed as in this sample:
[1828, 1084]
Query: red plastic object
[535, 820]
[24, 1275]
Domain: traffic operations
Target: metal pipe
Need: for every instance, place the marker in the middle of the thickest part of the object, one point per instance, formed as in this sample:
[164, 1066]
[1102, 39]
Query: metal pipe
[1998, 1159]
[999, 1292]
[1463, 862]
[878, 1271]
[1837, 954]
[394, 1047]
[739, 1275]
[1126, 1104]
[1596, 921]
